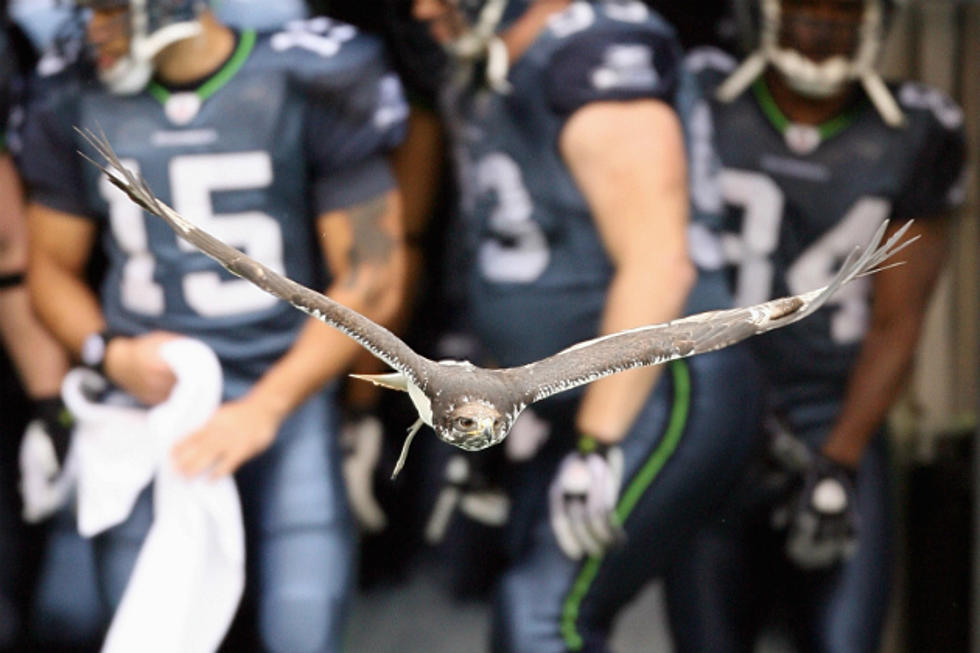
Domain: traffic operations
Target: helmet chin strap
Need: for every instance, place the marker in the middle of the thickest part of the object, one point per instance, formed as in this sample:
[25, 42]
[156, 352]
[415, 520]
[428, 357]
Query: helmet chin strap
[818, 80]
[498, 64]
[473, 44]
[482, 41]
[127, 76]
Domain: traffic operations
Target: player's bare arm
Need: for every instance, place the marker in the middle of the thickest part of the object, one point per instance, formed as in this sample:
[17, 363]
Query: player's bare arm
[628, 159]
[60, 247]
[901, 298]
[40, 360]
[419, 186]
[364, 250]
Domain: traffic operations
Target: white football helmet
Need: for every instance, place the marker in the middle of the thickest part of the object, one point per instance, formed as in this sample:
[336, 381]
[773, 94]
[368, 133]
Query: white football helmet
[484, 20]
[827, 74]
[151, 25]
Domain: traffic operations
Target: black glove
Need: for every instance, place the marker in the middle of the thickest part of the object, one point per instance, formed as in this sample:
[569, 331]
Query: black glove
[45, 483]
[57, 422]
[820, 514]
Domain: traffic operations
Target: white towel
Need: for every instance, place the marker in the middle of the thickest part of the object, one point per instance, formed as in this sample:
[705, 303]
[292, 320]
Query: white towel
[189, 576]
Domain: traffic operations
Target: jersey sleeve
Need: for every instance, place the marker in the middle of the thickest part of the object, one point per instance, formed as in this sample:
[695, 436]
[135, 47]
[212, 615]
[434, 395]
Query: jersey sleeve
[935, 183]
[356, 114]
[48, 161]
[609, 64]
[7, 71]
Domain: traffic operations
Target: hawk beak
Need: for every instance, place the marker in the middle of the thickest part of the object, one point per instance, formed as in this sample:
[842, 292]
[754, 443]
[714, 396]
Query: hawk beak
[486, 430]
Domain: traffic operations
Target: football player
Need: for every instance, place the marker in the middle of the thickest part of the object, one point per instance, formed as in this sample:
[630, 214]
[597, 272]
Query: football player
[816, 151]
[565, 119]
[277, 143]
[38, 361]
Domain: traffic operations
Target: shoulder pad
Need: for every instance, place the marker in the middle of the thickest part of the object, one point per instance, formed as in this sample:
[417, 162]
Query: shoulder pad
[936, 144]
[323, 47]
[599, 57]
[915, 96]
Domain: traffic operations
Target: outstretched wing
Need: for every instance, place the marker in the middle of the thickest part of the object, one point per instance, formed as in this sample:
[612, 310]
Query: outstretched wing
[697, 334]
[373, 337]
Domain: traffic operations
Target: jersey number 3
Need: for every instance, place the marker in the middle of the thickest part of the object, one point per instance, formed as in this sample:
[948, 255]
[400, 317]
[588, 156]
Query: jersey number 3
[762, 203]
[192, 179]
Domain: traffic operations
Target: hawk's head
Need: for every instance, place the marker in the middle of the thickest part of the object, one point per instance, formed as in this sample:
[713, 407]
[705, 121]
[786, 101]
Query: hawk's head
[472, 425]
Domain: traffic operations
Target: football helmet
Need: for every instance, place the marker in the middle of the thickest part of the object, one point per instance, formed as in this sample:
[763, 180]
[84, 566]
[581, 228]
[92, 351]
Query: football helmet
[484, 20]
[819, 47]
[151, 26]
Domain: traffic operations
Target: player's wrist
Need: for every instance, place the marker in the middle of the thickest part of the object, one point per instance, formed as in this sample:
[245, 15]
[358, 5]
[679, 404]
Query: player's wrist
[276, 405]
[95, 349]
[830, 466]
[847, 458]
[587, 443]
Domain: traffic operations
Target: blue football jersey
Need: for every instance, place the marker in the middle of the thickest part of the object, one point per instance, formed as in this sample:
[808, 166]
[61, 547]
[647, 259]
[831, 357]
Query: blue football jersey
[537, 270]
[800, 198]
[296, 123]
[7, 71]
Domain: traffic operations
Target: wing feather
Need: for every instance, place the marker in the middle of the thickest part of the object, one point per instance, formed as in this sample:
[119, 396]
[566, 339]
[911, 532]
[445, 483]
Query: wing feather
[370, 335]
[651, 345]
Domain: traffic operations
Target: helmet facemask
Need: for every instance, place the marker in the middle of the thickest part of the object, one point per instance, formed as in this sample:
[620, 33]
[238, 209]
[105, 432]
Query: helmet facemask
[818, 56]
[840, 49]
[150, 26]
[479, 40]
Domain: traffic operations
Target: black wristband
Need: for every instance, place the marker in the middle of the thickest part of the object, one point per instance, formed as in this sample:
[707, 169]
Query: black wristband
[95, 360]
[12, 280]
[107, 337]
[590, 444]
[828, 465]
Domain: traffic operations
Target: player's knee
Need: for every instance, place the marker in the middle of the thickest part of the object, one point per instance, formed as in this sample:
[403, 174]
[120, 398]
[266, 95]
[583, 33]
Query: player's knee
[521, 622]
[9, 622]
[304, 585]
[300, 623]
[66, 620]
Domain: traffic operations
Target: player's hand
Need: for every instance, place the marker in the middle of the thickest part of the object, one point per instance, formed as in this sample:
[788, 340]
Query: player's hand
[820, 516]
[45, 483]
[135, 365]
[361, 439]
[583, 500]
[237, 432]
[56, 423]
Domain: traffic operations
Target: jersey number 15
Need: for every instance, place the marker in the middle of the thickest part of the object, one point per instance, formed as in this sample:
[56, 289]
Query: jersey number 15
[192, 180]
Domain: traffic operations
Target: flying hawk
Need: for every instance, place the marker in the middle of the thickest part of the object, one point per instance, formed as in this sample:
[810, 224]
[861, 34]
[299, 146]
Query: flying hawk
[473, 407]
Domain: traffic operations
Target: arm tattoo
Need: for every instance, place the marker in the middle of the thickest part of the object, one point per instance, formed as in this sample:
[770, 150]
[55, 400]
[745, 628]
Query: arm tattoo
[372, 244]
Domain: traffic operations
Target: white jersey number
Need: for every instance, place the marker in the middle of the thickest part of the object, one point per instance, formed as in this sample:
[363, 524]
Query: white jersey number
[762, 202]
[193, 178]
[517, 250]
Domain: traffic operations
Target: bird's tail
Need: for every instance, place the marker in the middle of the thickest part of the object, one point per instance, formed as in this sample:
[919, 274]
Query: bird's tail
[392, 381]
[861, 262]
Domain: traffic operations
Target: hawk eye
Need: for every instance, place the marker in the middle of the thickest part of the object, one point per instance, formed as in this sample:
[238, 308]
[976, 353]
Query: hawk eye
[498, 425]
[465, 423]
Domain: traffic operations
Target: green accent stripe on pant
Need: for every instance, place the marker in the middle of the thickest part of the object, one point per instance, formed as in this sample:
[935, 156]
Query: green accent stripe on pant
[634, 491]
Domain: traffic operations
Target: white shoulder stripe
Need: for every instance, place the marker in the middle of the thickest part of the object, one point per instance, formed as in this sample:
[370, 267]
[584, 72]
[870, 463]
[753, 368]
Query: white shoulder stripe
[708, 57]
